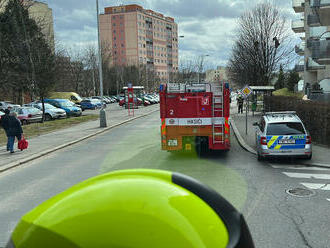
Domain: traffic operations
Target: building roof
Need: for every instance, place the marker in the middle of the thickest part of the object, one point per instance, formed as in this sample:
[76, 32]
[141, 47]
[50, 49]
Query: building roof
[262, 88]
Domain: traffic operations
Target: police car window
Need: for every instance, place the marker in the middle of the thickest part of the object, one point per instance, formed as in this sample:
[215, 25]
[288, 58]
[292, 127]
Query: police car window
[285, 128]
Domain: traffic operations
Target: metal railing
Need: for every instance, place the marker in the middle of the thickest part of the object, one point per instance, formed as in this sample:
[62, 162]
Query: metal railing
[314, 66]
[313, 20]
[321, 49]
[319, 3]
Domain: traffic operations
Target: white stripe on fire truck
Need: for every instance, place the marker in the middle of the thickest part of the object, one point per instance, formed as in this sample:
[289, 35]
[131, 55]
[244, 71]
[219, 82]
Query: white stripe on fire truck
[194, 121]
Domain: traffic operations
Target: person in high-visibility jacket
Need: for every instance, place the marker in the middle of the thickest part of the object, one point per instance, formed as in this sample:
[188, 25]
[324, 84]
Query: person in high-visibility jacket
[134, 209]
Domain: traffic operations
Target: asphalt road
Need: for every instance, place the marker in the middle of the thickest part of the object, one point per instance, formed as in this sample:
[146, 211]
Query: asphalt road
[258, 190]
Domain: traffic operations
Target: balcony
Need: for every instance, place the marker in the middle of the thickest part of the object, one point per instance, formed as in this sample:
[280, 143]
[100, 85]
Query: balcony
[300, 49]
[321, 51]
[298, 26]
[316, 32]
[313, 21]
[322, 8]
[314, 66]
[298, 5]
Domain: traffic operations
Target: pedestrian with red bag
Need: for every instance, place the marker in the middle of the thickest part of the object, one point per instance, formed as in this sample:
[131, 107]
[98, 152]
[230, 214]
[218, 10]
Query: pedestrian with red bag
[14, 131]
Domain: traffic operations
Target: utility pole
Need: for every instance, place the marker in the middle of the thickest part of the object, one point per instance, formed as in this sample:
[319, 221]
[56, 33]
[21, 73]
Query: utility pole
[103, 118]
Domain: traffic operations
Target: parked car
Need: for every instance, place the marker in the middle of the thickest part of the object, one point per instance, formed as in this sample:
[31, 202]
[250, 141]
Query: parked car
[149, 99]
[281, 134]
[68, 106]
[123, 101]
[117, 98]
[51, 112]
[90, 104]
[5, 104]
[99, 98]
[72, 96]
[28, 115]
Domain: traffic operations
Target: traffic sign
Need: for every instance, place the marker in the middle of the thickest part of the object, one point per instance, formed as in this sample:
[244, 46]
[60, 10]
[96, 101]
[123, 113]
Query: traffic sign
[246, 91]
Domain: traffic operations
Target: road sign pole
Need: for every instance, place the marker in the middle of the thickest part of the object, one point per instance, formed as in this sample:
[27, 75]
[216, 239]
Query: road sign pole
[246, 91]
[246, 116]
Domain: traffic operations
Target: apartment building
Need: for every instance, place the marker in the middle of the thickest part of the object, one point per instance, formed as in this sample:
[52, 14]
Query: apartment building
[314, 29]
[43, 16]
[134, 35]
[219, 74]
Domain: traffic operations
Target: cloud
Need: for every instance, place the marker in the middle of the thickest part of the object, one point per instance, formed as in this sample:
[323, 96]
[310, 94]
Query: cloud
[208, 25]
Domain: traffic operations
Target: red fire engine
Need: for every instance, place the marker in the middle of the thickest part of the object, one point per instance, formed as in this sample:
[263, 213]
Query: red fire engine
[195, 115]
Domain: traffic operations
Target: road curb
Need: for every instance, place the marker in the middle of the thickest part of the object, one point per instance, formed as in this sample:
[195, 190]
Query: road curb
[240, 138]
[44, 153]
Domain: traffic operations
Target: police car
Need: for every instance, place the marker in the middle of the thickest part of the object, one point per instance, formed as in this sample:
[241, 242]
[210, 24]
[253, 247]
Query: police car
[282, 134]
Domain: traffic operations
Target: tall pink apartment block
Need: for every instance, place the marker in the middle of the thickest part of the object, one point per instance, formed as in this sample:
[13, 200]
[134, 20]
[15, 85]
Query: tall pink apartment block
[135, 36]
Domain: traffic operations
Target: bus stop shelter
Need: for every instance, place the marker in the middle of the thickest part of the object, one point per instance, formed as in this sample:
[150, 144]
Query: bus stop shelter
[258, 96]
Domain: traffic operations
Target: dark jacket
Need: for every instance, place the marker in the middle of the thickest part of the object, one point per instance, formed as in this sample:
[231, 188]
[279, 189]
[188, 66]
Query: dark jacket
[14, 126]
[4, 122]
[240, 101]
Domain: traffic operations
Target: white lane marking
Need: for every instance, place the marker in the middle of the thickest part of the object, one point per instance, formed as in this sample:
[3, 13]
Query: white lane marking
[307, 175]
[299, 168]
[321, 186]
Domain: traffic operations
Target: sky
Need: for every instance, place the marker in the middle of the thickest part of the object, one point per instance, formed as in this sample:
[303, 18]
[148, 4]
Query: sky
[208, 26]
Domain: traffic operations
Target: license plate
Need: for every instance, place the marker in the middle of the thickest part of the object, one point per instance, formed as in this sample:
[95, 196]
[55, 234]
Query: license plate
[173, 142]
[287, 141]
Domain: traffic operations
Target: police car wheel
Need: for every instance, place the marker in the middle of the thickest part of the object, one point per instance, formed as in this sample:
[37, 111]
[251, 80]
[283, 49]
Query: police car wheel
[309, 157]
[260, 158]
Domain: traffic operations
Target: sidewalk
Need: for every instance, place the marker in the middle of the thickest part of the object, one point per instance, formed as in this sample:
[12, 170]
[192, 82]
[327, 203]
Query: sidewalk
[320, 153]
[41, 145]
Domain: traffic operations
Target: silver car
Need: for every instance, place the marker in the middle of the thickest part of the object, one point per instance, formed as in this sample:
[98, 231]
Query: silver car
[282, 134]
[51, 112]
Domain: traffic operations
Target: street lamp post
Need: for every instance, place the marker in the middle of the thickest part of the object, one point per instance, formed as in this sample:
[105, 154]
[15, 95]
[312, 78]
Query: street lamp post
[103, 118]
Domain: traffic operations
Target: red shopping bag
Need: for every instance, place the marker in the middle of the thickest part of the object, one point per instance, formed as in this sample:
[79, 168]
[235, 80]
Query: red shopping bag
[23, 144]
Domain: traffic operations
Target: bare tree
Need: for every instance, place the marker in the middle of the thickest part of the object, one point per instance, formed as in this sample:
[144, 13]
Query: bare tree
[263, 43]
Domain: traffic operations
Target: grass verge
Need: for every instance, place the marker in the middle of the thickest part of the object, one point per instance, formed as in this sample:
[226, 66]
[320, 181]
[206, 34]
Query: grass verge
[36, 129]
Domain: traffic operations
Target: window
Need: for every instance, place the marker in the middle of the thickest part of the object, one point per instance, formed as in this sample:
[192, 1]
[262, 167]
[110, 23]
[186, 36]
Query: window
[114, 17]
[114, 38]
[121, 17]
[122, 45]
[114, 24]
[285, 128]
[114, 31]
